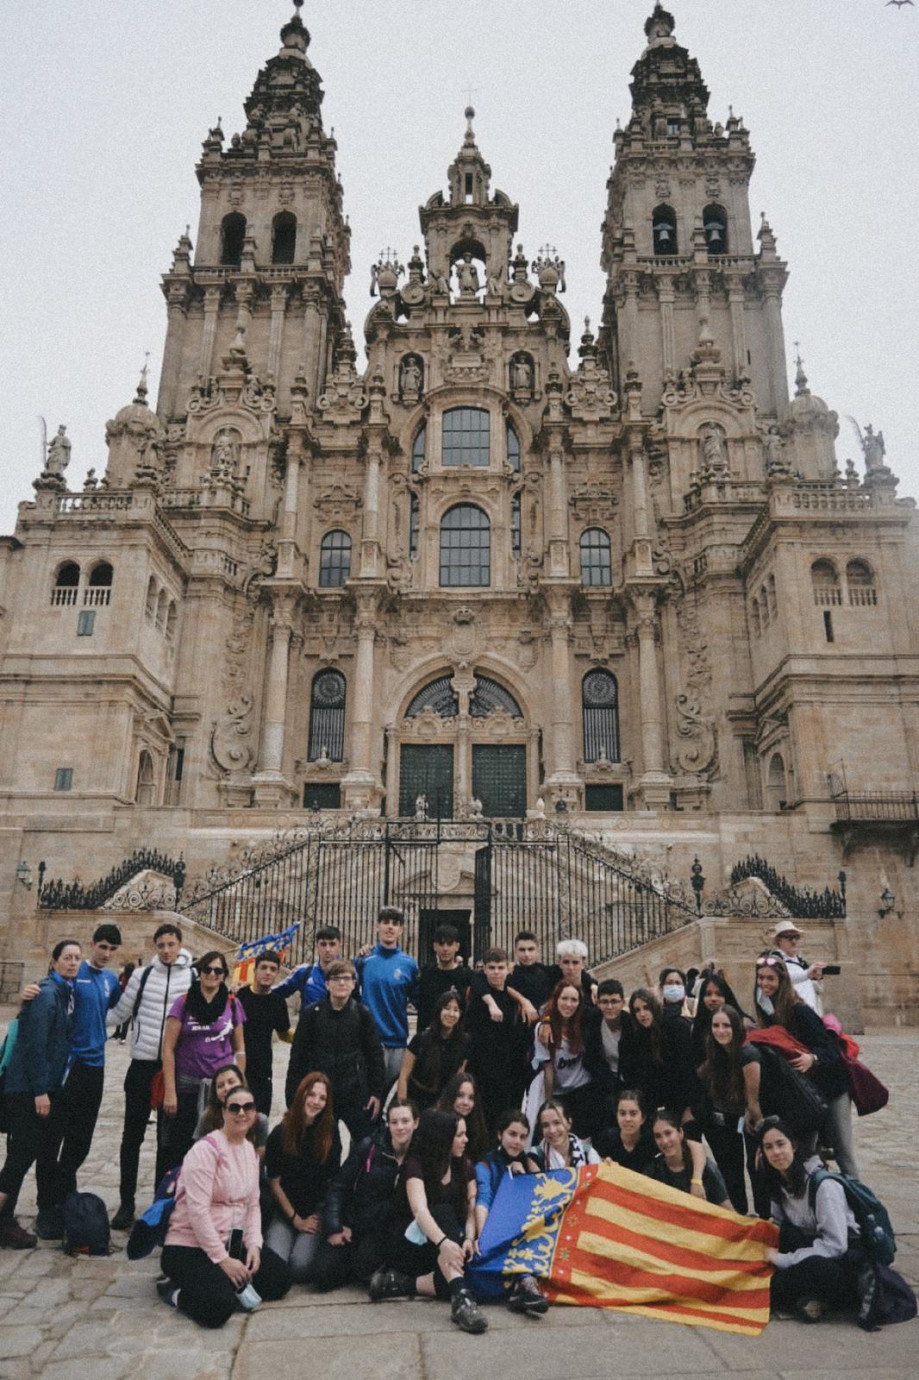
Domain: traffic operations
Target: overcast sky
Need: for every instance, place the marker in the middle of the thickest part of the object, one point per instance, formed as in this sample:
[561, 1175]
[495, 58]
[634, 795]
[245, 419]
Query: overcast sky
[104, 104]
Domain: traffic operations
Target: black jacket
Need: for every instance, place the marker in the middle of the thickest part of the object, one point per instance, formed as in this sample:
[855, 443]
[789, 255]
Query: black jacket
[344, 1044]
[361, 1194]
[601, 1075]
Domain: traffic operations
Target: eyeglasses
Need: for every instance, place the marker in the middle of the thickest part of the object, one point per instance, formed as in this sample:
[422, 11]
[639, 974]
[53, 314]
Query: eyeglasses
[215, 972]
[240, 1108]
[341, 977]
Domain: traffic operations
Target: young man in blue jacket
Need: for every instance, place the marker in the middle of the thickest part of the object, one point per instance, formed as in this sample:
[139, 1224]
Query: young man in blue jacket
[388, 979]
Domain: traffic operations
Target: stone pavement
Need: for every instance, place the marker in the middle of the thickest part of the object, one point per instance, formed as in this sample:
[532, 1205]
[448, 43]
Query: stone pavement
[100, 1319]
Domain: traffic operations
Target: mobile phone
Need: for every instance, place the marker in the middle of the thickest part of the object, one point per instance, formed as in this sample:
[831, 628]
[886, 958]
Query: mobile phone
[235, 1244]
[831, 970]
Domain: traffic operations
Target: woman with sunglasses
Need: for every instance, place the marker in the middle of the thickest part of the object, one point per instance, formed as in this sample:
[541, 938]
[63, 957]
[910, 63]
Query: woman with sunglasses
[204, 1031]
[213, 1245]
[778, 1004]
[302, 1157]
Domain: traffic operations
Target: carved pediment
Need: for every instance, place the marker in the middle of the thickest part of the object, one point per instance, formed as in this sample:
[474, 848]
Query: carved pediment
[338, 501]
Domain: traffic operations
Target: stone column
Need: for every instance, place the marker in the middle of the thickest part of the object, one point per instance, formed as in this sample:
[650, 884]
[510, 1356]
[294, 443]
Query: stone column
[654, 786]
[208, 335]
[370, 538]
[558, 515]
[270, 784]
[775, 338]
[738, 327]
[360, 786]
[276, 331]
[312, 327]
[665, 296]
[167, 403]
[563, 783]
[287, 542]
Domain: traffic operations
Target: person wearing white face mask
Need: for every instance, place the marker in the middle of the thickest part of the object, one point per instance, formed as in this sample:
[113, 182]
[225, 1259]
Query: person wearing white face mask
[672, 984]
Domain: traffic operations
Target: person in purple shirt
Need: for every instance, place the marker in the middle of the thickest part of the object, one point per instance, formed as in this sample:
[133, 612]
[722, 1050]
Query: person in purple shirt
[204, 1032]
[308, 981]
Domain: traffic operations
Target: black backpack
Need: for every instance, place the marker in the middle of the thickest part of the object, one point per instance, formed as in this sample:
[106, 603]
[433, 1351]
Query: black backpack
[86, 1228]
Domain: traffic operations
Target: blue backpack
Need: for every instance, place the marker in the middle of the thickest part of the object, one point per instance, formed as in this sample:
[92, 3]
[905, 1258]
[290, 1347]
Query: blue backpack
[877, 1234]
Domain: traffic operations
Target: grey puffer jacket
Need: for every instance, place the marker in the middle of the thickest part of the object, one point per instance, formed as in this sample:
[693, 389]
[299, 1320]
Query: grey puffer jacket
[165, 983]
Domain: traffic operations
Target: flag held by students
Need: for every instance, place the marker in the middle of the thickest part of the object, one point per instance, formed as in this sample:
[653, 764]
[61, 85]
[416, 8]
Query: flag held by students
[249, 952]
[605, 1237]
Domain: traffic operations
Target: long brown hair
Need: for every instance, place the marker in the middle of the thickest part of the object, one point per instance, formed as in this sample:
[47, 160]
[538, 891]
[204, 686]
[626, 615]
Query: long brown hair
[785, 999]
[721, 1074]
[293, 1127]
[552, 1025]
[654, 1036]
[476, 1129]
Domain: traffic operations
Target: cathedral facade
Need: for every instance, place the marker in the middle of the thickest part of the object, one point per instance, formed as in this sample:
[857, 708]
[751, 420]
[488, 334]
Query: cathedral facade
[614, 574]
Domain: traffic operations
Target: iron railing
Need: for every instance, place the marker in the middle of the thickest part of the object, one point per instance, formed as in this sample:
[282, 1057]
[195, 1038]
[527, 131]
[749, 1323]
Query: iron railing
[58, 895]
[801, 902]
[876, 805]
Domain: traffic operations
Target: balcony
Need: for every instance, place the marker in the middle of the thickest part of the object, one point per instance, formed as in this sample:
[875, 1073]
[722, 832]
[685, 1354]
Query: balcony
[891, 814]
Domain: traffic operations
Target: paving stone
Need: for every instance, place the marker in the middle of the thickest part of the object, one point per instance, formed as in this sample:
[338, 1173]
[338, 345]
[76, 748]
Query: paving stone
[173, 1364]
[397, 1357]
[94, 1368]
[19, 1341]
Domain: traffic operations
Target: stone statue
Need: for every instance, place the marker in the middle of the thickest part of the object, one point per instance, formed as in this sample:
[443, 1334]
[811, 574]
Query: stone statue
[421, 807]
[521, 374]
[495, 282]
[874, 448]
[714, 455]
[225, 453]
[411, 375]
[58, 452]
[467, 276]
[439, 285]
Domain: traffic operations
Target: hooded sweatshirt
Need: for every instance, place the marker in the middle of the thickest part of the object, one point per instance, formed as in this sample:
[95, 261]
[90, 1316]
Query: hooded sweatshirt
[166, 982]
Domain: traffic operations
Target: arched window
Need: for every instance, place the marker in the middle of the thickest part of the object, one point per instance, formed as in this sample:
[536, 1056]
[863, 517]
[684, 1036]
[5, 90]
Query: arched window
[488, 695]
[414, 517]
[513, 449]
[283, 238]
[754, 612]
[825, 583]
[438, 695]
[465, 547]
[715, 225]
[418, 447]
[466, 437]
[770, 595]
[161, 605]
[516, 542]
[232, 234]
[663, 230]
[596, 558]
[99, 590]
[860, 580]
[334, 560]
[145, 792]
[150, 603]
[66, 584]
[776, 787]
[327, 717]
[172, 615]
[600, 712]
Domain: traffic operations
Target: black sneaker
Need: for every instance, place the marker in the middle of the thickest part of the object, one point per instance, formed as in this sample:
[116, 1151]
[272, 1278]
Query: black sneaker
[810, 1310]
[49, 1224]
[167, 1292]
[124, 1218]
[467, 1314]
[14, 1237]
[390, 1284]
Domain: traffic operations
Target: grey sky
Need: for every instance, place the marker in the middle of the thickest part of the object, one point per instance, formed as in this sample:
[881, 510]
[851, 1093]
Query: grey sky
[104, 104]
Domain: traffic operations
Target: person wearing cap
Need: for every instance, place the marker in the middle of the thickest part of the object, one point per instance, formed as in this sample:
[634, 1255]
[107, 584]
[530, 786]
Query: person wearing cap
[785, 940]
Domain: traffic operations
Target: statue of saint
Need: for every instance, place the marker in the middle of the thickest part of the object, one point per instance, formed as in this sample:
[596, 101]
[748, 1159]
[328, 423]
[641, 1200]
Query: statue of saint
[58, 452]
[225, 453]
[411, 375]
[521, 374]
[714, 456]
[467, 276]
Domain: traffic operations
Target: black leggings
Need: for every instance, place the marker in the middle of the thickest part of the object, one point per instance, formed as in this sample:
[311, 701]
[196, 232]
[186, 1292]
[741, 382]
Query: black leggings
[334, 1266]
[206, 1293]
[415, 1260]
[28, 1138]
[727, 1146]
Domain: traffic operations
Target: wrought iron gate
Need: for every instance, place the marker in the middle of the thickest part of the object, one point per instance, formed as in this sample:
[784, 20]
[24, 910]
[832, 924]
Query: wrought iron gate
[534, 875]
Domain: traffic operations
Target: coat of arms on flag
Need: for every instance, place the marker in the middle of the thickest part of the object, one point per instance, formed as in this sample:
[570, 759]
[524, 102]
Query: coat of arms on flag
[605, 1237]
[248, 953]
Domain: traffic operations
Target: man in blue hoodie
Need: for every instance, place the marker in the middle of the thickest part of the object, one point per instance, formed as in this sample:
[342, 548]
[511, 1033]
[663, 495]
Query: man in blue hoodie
[389, 980]
[76, 1108]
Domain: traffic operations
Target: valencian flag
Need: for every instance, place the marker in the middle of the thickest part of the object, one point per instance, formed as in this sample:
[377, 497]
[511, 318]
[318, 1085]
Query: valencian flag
[605, 1237]
[248, 953]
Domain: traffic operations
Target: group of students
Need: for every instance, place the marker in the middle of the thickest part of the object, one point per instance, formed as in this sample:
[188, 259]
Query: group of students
[514, 1068]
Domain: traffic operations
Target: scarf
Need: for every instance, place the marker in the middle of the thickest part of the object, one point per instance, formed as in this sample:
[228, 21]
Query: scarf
[553, 1160]
[206, 1012]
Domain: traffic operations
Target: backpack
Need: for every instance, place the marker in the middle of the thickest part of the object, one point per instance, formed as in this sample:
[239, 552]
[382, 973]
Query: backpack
[86, 1228]
[6, 1054]
[877, 1234]
[149, 1231]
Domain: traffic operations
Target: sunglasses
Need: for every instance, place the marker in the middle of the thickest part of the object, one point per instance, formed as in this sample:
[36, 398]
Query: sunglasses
[215, 972]
[240, 1108]
[768, 962]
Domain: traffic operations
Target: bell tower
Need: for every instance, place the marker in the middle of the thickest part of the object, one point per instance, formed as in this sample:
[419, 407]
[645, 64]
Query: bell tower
[678, 247]
[272, 248]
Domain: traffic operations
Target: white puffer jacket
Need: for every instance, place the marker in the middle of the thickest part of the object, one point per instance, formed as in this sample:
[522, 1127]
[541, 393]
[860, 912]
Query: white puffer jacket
[165, 983]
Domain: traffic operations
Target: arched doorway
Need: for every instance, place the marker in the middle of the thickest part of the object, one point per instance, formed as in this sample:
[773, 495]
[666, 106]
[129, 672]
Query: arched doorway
[463, 749]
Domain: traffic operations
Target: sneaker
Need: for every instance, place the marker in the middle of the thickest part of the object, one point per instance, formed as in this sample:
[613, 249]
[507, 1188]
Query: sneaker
[390, 1284]
[528, 1299]
[467, 1314]
[168, 1292]
[15, 1237]
[809, 1310]
[49, 1224]
[124, 1218]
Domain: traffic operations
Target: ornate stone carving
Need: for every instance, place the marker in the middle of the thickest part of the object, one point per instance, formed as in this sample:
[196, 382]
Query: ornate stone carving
[590, 397]
[593, 502]
[697, 749]
[233, 739]
[338, 502]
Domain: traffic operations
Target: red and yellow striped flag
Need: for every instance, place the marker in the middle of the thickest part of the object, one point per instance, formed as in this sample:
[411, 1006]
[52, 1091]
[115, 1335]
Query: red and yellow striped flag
[626, 1241]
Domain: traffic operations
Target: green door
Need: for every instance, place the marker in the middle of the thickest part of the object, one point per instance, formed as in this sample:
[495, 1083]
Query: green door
[499, 779]
[426, 769]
